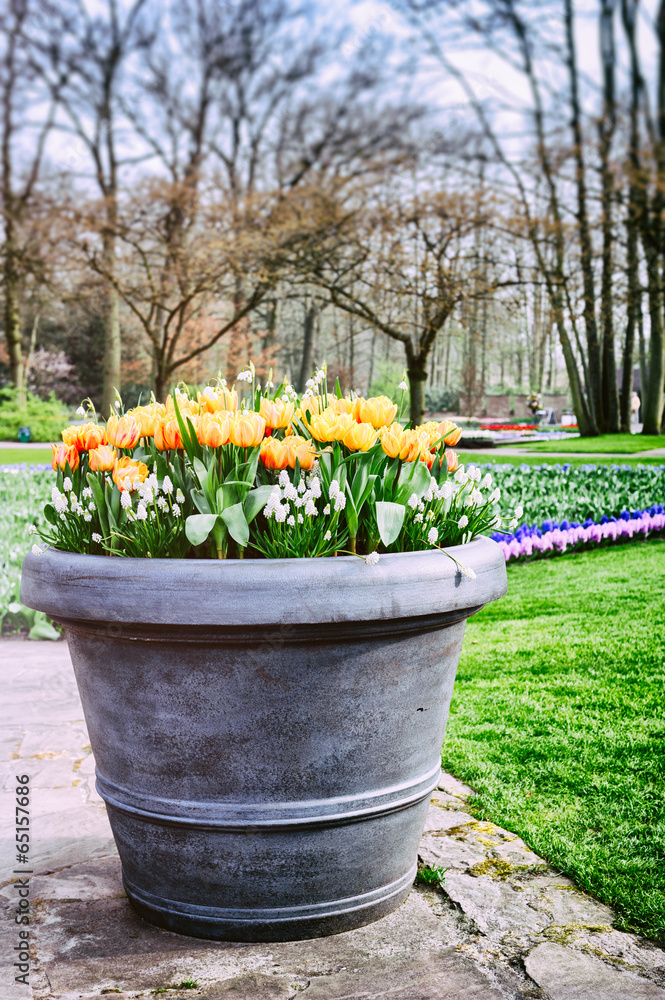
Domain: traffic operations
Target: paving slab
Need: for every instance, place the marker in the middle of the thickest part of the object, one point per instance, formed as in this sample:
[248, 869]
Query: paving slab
[504, 926]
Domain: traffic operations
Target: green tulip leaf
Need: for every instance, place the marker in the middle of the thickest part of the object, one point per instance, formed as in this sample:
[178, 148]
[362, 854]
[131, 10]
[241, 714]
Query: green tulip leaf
[235, 520]
[199, 526]
[389, 518]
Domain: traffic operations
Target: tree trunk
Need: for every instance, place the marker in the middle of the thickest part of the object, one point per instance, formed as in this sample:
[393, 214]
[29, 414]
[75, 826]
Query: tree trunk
[112, 341]
[586, 253]
[635, 207]
[610, 398]
[306, 365]
[13, 316]
[652, 409]
[417, 374]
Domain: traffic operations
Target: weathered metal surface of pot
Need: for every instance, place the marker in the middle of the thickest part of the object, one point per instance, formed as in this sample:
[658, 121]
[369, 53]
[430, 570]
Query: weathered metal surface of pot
[267, 733]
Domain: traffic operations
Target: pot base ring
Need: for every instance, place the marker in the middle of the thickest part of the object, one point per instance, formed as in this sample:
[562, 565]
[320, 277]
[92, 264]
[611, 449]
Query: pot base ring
[292, 923]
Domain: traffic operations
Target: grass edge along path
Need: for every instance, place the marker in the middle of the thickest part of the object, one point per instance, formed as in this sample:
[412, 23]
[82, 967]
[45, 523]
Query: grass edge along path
[495, 457]
[609, 444]
[558, 722]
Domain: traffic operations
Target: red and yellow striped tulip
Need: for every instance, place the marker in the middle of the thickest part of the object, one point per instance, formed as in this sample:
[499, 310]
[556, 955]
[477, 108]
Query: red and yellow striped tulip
[102, 459]
[65, 454]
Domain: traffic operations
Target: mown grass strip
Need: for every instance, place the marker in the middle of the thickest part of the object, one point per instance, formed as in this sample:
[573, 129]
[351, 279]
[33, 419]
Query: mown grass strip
[558, 721]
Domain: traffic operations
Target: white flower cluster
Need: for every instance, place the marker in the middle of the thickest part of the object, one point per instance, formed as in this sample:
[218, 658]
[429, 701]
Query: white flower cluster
[303, 497]
[289, 394]
[312, 384]
[150, 500]
[72, 505]
[245, 376]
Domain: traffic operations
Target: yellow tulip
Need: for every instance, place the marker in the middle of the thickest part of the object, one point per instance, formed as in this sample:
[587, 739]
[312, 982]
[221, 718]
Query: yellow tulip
[247, 429]
[147, 417]
[70, 435]
[343, 405]
[392, 439]
[360, 437]
[323, 426]
[452, 460]
[276, 413]
[102, 459]
[379, 411]
[122, 432]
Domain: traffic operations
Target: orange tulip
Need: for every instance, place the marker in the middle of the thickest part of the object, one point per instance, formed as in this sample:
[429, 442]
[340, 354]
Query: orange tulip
[274, 454]
[302, 450]
[247, 429]
[167, 433]
[127, 473]
[214, 429]
[450, 432]
[360, 437]
[123, 432]
[102, 459]
[65, 454]
[276, 413]
[379, 411]
[90, 436]
[452, 459]
[392, 439]
[215, 399]
[147, 417]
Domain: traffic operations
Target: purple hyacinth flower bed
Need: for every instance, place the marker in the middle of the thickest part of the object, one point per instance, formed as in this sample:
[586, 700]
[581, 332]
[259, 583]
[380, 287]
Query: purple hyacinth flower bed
[553, 538]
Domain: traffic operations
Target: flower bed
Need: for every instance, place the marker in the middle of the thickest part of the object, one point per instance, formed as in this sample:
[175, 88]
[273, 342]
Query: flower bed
[571, 507]
[554, 539]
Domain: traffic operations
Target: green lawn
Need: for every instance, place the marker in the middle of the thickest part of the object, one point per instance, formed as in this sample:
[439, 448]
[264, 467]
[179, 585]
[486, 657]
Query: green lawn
[12, 456]
[558, 721]
[604, 444]
[495, 455]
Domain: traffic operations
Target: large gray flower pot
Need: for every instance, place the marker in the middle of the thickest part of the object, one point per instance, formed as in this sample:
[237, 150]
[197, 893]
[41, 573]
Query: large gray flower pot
[267, 732]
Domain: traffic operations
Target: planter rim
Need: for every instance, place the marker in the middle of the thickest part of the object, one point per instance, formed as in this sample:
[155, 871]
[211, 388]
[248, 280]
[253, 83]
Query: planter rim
[233, 592]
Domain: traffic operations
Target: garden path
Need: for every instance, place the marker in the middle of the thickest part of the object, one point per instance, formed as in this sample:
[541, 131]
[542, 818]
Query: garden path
[505, 925]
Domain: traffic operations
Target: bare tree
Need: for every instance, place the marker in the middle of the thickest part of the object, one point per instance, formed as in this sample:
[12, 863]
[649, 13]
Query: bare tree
[82, 57]
[19, 174]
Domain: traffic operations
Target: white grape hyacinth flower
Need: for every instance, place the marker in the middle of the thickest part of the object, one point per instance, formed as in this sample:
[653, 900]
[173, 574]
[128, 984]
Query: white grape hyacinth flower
[372, 558]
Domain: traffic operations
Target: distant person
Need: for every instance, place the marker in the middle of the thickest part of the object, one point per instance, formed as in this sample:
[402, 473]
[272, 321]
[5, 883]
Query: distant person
[635, 403]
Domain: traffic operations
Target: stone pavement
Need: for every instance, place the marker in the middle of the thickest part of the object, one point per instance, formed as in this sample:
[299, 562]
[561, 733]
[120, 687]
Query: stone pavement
[505, 925]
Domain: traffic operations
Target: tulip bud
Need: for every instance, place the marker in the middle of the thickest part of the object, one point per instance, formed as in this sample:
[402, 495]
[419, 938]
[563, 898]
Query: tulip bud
[300, 449]
[276, 413]
[392, 439]
[360, 437]
[452, 459]
[102, 459]
[247, 429]
[214, 429]
[379, 411]
[90, 436]
[63, 455]
[122, 432]
[274, 454]
[167, 433]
